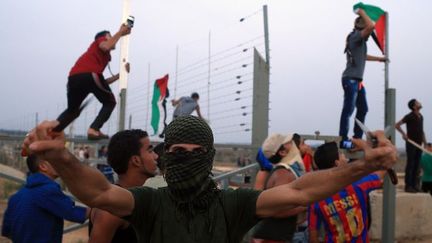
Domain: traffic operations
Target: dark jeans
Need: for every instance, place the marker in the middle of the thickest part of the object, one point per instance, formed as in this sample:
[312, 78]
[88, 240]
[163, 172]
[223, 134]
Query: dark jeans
[78, 87]
[412, 166]
[354, 97]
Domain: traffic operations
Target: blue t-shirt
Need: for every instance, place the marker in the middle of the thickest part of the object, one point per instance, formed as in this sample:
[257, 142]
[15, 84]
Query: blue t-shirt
[36, 212]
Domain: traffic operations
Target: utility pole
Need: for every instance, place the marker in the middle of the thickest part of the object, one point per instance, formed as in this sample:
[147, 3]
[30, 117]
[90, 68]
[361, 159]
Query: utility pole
[124, 54]
[266, 35]
[36, 119]
[130, 122]
[389, 193]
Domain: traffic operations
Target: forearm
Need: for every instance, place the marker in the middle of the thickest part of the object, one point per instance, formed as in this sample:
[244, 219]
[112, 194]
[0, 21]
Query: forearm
[84, 182]
[368, 21]
[374, 58]
[399, 129]
[309, 188]
[319, 185]
[111, 42]
[112, 79]
[175, 102]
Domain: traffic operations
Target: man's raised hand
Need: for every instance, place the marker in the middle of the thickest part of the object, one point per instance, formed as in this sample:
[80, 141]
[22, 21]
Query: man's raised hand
[42, 139]
[384, 156]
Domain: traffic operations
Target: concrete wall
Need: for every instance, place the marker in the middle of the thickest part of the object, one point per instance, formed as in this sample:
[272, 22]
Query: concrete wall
[413, 215]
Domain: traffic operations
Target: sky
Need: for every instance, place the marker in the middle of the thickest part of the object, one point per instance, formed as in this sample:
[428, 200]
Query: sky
[41, 40]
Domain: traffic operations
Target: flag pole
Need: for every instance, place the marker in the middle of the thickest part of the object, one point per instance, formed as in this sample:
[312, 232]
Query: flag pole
[148, 98]
[124, 56]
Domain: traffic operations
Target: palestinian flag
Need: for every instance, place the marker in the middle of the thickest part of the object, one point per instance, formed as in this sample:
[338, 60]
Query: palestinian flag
[160, 91]
[379, 17]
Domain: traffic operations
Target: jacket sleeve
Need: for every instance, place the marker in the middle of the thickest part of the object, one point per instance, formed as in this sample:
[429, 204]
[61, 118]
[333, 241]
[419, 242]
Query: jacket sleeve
[55, 201]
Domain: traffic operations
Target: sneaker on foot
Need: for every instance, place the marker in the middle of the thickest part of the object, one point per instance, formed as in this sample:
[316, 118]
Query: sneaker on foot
[96, 135]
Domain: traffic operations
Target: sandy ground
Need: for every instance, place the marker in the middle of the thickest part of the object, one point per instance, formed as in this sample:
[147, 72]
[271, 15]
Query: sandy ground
[77, 236]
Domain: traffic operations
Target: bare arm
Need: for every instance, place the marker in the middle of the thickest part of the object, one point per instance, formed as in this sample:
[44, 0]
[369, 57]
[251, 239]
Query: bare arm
[109, 44]
[369, 24]
[311, 187]
[260, 179]
[114, 78]
[198, 112]
[375, 58]
[88, 184]
[319, 185]
[175, 102]
[104, 226]
[283, 177]
[400, 130]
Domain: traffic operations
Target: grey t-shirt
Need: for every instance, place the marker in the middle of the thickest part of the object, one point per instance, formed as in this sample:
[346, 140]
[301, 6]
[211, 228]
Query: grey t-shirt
[185, 107]
[356, 64]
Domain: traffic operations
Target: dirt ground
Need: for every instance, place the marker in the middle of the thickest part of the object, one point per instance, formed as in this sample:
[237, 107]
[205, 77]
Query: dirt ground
[77, 236]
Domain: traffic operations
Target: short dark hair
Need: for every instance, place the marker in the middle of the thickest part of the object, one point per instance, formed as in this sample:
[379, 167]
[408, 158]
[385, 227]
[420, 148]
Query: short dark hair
[276, 158]
[195, 95]
[359, 23]
[33, 163]
[160, 150]
[411, 104]
[101, 33]
[326, 155]
[122, 146]
[297, 139]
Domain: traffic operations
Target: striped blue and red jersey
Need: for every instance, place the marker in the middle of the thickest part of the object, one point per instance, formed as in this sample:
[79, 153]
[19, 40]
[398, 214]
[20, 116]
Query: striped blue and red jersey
[344, 216]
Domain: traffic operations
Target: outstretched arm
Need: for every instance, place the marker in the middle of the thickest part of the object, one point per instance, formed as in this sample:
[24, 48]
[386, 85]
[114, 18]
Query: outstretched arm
[88, 184]
[319, 185]
[109, 44]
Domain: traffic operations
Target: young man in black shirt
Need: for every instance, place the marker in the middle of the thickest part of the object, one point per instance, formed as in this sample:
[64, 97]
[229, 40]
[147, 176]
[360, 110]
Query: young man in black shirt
[415, 133]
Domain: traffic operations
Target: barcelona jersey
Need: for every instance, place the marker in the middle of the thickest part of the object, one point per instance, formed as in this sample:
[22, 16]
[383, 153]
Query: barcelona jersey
[344, 216]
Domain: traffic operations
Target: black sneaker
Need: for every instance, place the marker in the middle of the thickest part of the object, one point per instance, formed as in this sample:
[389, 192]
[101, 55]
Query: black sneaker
[346, 144]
